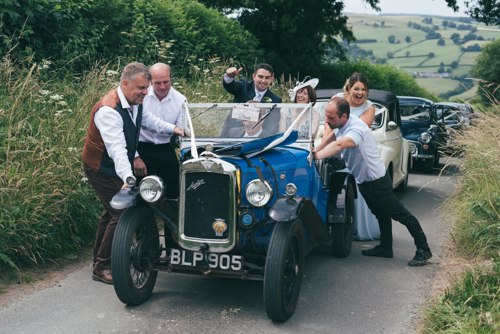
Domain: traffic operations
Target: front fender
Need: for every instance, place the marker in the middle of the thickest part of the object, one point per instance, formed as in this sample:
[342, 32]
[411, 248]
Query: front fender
[387, 155]
[287, 209]
[124, 198]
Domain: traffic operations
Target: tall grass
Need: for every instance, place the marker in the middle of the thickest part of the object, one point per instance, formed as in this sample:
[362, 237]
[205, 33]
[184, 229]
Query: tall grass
[477, 205]
[472, 304]
[48, 210]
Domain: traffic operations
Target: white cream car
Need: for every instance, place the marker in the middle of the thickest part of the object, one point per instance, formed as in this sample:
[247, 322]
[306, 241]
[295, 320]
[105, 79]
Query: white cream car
[395, 151]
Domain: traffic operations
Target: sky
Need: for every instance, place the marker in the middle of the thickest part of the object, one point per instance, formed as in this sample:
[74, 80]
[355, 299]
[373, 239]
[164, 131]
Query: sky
[432, 7]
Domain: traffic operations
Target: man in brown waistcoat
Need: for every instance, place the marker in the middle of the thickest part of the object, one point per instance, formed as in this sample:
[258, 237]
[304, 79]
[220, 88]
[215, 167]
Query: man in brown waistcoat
[109, 151]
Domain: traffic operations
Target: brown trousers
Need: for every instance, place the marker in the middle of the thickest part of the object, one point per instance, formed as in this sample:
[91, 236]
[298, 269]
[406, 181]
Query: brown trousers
[106, 187]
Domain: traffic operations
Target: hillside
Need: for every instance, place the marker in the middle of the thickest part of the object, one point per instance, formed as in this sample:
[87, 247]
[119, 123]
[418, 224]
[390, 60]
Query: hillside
[438, 51]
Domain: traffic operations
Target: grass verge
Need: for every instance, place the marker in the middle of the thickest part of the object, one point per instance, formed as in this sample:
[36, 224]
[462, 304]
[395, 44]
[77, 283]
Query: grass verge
[472, 303]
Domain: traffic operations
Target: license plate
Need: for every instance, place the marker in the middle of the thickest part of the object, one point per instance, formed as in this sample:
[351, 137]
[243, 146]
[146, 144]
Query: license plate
[215, 261]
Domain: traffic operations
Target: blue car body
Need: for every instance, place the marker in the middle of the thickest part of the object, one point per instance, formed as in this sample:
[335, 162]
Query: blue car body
[249, 208]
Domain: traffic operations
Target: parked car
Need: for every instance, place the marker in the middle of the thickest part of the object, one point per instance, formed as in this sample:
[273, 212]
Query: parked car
[422, 127]
[249, 208]
[455, 115]
[395, 151]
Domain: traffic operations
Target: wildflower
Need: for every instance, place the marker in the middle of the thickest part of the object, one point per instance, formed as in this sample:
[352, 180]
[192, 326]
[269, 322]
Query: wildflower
[111, 73]
[43, 92]
[56, 97]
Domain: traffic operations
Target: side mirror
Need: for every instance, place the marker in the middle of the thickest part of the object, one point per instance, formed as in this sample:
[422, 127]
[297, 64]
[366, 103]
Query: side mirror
[433, 128]
[392, 125]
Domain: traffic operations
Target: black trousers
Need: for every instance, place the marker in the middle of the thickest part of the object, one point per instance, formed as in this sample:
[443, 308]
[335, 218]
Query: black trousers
[384, 204]
[161, 160]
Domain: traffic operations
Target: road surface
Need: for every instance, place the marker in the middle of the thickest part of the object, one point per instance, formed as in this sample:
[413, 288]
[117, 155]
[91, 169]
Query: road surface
[356, 294]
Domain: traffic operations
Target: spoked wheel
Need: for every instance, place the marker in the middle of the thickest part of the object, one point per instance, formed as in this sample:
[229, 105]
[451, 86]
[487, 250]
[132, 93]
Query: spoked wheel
[134, 254]
[284, 269]
[342, 233]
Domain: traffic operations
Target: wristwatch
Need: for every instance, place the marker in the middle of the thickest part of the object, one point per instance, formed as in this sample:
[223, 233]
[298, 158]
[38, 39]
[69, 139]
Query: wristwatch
[130, 181]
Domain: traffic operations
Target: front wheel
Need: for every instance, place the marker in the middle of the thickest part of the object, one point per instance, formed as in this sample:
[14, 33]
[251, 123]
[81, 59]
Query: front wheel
[342, 233]
[134, 254]
[284, 269]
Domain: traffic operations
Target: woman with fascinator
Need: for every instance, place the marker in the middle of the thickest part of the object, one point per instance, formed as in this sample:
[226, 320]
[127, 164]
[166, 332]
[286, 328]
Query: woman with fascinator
[355, 92]
[303, 92]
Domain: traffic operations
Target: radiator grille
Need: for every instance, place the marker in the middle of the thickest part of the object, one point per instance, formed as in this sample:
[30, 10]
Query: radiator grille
[207, 199]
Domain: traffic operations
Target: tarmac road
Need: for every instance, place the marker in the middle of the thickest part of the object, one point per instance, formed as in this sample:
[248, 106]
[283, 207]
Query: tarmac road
[356, 294]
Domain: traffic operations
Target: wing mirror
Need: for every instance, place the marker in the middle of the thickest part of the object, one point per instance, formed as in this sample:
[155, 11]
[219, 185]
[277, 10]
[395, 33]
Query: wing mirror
[433, 128]
[392, 125]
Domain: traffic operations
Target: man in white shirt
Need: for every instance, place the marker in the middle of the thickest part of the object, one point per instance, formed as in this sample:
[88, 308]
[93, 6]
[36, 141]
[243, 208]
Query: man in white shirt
[109, 150]
[358, 147]
[156, 154]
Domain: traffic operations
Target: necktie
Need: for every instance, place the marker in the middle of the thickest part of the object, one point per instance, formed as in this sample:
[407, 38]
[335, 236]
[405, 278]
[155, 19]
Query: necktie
[258, 96]
[131, 114]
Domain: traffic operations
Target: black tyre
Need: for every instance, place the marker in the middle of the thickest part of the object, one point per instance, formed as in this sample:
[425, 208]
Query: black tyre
[428, 166]
[284, 270]
[134, 254]
[436, 158]
[342, 233]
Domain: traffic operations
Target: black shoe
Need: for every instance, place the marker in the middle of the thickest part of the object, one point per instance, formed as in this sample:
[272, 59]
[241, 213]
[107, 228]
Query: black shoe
[421, 257]
[378, 251]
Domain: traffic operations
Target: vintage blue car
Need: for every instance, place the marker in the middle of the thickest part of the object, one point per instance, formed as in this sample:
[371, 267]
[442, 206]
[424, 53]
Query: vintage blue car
[252, 204]
[422, 127]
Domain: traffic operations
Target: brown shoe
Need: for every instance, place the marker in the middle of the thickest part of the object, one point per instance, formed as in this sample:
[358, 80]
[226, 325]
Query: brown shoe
[102, 276]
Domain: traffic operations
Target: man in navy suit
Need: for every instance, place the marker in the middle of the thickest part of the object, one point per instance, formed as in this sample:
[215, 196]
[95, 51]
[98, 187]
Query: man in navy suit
[256, 90]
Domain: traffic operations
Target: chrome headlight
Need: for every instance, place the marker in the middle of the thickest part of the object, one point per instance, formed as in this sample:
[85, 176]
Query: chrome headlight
[151, 188]
[290, 189]
[258, 192]
[425, 137]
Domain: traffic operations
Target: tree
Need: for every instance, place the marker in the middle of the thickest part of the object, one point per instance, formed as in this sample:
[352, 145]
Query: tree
[485, 11]
[441, 42]
[487, 69]
[391, 39]
[455, 37]
[296, 35]
[408, 39]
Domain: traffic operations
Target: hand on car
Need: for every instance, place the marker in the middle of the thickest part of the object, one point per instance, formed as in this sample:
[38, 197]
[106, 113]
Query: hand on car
[140, 167]
[179, 131]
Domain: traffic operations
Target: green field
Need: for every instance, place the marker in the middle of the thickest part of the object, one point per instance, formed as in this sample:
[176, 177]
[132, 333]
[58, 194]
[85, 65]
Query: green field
[413, 55]
[467, 95]
[438, 86]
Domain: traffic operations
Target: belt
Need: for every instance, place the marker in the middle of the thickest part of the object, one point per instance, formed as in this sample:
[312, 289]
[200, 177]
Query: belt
[143, 143]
